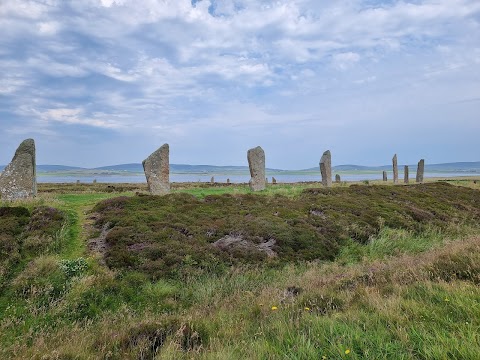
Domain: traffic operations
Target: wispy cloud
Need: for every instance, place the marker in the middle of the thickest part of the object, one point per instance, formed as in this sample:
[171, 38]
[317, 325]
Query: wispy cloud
[178, 67]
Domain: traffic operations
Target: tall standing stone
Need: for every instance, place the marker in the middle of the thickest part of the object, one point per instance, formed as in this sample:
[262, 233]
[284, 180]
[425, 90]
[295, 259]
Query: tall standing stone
[274, 181]
[326, 168]
[395, 169]
[420, 171]
[256, 163]
[212, 180]
[157, 171]
[405, 175]
[19, 179]
[337, 178]
[384, 176]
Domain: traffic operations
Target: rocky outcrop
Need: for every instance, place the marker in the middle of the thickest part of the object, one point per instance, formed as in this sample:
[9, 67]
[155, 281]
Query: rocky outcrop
[19, 179]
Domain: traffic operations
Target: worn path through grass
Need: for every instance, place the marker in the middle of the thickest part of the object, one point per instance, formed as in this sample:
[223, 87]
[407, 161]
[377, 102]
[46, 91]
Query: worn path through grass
[76, 206]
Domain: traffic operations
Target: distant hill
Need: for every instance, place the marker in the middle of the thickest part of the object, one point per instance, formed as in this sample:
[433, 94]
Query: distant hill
[54, 168]
[182, 168]
[459, 167]
[470, 167]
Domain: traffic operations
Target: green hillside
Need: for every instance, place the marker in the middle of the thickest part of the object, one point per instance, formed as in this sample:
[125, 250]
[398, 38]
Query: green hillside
[294, 272]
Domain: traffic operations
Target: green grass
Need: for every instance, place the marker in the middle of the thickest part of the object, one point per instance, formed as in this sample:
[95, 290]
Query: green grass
[409, 291]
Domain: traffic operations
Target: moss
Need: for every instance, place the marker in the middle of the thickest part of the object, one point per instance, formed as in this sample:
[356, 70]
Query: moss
[155, 234]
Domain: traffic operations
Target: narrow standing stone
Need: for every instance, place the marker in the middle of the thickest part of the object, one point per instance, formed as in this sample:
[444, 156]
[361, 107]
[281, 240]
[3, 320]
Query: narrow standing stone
[395, 169]
[337, 178]
[19, 179]
[94, 181]
[228, 181]
[157, 171]
[274, 181]
[405, 175]
[212, 180]
[326, 168]
[256, 163]
[420, 171]
[384, 176]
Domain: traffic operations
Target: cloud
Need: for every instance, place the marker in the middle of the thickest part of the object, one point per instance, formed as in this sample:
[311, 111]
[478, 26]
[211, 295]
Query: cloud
[169, 67]
[76, 116]
[343, 61]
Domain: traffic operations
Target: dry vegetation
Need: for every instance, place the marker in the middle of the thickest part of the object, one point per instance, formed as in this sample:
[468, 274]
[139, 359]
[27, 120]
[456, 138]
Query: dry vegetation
[377, 272]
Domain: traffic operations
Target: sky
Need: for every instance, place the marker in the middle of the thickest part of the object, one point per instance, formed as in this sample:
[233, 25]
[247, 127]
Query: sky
[103, 82]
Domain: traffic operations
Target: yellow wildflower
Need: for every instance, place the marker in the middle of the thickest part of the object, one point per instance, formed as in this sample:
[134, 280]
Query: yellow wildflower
[274, 308]
[307, 308]
[347, 351]
[447, 300]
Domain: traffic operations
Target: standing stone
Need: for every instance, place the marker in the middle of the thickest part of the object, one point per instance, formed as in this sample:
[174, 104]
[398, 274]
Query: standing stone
[256, 163]
[395, 169]
[274, 181]
[384, 176]
[19, 179]
[405, 175]
[228, 181]
[157, 171]
[326, 168]
[212, 180]
[78, 182]
[420, 171]
[94, 181]
[337, 178]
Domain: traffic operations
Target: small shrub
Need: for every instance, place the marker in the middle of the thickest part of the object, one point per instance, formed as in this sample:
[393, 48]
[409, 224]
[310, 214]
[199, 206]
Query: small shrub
[145, 339]
[74, 267]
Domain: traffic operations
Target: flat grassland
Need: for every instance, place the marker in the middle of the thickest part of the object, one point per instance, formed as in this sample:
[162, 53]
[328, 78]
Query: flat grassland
[363, 271]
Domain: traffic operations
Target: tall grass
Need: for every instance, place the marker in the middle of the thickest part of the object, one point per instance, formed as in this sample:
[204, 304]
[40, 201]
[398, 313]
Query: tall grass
[402, 295]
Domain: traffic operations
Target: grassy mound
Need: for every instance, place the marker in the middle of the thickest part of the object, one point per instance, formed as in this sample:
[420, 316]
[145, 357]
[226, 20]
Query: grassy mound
[25, 234]
[179, 233]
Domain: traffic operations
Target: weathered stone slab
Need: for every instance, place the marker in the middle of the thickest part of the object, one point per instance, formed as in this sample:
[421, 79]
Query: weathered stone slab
[157, 171]
[19, 179]
[395, 169]
[337, 178]
[228, 181]
[326, 168]
[212, 180]
[405, 175]
[274, 181]
[256, 163]
[384, 176]
[420, 171]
